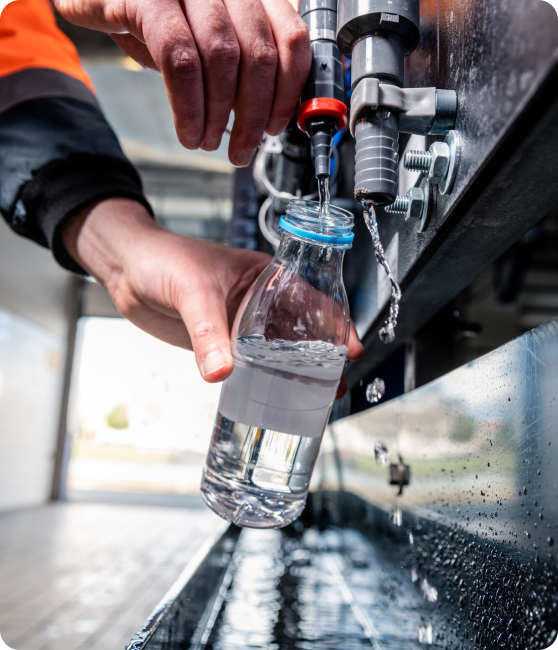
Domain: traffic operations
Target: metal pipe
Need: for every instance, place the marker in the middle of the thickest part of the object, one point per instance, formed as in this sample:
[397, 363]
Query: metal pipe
[377, 35]
[322, 111]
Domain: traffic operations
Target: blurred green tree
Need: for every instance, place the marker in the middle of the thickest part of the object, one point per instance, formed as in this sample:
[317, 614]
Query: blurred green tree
[118, 419]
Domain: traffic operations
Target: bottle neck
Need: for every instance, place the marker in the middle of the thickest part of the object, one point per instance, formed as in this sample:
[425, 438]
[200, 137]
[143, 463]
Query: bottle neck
[304, 220]
[294, 251]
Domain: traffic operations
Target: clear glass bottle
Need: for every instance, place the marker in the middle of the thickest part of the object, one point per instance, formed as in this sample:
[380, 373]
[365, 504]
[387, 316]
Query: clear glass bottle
[289, 344]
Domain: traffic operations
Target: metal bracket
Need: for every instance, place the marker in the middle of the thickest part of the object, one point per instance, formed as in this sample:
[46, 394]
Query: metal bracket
[422, 111]
[400, 475]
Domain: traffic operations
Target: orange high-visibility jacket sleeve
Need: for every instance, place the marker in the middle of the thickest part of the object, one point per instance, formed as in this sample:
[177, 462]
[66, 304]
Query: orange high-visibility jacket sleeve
[36, 58]
[29, 38]
[58, 154]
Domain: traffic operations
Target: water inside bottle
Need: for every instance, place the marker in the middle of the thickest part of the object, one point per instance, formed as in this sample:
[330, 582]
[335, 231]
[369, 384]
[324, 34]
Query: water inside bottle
[272, 414]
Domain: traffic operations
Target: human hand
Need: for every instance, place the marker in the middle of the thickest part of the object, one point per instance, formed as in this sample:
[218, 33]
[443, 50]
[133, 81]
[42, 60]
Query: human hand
[252, 56]
[183, 291]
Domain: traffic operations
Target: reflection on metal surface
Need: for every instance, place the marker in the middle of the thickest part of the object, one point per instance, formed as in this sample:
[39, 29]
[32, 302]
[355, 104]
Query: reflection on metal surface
[347, 577]
[326, 590]
[483, 444]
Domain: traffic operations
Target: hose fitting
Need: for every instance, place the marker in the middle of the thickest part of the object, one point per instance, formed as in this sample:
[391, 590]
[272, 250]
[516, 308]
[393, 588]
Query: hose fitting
[377, 160]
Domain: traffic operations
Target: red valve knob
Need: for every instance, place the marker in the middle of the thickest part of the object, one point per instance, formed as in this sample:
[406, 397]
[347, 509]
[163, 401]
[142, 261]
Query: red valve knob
[319, 107]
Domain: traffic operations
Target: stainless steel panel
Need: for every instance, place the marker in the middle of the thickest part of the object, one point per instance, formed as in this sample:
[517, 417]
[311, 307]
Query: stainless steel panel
[481, 509]
[482, 443]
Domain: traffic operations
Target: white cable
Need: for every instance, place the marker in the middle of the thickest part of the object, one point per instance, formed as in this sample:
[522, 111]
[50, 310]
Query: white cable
[262, 221]
[284, 196]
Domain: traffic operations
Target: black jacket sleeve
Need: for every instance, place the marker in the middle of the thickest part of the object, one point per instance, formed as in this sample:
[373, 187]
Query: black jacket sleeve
[58, 155]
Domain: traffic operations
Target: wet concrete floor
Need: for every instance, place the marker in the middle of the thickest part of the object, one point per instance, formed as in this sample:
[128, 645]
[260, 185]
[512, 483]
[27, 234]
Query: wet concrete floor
[86, 576]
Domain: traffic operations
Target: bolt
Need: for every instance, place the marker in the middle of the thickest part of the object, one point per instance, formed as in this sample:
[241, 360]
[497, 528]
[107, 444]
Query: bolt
[399, 206]
[418, 161]
[439, 163]
[416, 199]
[411, 205]
[436, 162]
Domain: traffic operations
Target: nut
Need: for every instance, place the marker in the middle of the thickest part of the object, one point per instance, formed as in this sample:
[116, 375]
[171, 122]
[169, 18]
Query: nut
[416, 204]
[440, 162]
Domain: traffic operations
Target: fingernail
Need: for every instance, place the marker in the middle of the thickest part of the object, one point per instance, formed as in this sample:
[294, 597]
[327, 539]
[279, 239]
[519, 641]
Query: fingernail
[244, 157]
[275, 127]
[193, 143]
[213, 362]
[211, 145]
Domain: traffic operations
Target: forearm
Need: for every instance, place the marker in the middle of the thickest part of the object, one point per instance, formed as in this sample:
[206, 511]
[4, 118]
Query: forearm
[99, 236]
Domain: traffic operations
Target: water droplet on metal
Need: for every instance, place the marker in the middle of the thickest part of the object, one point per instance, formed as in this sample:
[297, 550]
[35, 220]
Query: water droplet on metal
[425, 634]
[375, 391]
[396, 517]
[381, 454]
[429, 592]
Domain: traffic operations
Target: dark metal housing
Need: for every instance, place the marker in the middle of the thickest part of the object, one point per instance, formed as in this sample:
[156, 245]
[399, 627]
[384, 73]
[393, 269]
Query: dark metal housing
[506, 82]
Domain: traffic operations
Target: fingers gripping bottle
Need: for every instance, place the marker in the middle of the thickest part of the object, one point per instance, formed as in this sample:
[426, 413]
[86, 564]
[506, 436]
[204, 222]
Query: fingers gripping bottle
[289, 344]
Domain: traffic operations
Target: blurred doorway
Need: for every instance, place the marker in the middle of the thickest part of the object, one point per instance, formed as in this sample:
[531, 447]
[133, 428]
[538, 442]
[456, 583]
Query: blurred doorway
[141, 416]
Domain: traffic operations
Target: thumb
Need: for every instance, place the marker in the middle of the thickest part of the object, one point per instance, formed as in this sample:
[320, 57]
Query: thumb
[355, 347]
[205, 317]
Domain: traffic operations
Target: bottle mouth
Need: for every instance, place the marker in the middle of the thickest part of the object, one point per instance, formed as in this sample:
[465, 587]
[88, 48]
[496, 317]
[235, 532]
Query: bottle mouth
[303, 218]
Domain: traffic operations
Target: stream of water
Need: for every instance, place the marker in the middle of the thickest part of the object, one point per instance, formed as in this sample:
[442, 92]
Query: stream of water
[387, 333]
[323, 194]
[375, 391]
